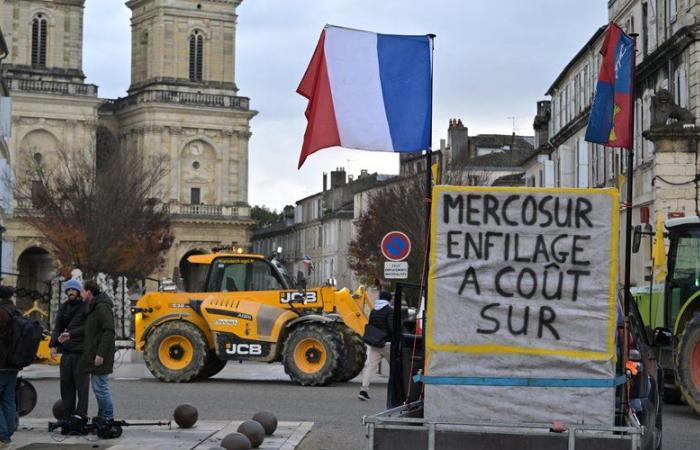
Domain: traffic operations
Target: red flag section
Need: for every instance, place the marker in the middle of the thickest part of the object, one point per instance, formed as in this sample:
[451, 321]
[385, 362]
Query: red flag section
[322, 129]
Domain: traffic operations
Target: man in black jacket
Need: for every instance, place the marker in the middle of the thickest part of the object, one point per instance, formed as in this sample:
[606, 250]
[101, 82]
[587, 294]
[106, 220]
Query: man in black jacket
[67, 338]
[377, 335]
[8, 375]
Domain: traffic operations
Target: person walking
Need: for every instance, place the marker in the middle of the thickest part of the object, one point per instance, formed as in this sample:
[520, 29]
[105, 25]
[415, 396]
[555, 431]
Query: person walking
[377, 336]
[8, 375]
[67, 339]
[98, 355]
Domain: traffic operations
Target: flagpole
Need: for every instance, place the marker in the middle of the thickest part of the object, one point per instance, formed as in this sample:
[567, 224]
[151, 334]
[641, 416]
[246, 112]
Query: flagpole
[630, 182]
[624, 399]
[428, 186]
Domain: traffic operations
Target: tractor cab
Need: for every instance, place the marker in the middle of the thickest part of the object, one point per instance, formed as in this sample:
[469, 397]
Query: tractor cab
[233, 272]
[682, 287]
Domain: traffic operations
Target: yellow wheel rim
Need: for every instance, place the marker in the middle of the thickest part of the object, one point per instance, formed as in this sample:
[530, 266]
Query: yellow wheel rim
[175, 352]
[310, 355]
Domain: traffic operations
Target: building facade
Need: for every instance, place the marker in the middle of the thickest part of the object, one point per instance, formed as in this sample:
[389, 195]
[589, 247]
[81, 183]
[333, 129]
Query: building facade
[182, 104]
[667, 63]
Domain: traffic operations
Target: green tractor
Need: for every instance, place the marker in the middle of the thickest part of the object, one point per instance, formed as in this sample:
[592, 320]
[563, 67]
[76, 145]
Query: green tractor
[674, 311]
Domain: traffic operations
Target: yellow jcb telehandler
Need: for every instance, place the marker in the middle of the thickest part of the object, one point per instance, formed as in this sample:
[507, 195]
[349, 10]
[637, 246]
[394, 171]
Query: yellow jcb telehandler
[247, 309]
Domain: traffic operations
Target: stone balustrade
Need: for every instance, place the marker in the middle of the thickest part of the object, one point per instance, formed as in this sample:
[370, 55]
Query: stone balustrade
[210, 211]
[187, 98]
[52, 87]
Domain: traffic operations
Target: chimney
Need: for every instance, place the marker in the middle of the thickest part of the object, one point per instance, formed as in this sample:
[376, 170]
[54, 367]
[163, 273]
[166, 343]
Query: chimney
[325, 181]
[338, 178]
[457, 139]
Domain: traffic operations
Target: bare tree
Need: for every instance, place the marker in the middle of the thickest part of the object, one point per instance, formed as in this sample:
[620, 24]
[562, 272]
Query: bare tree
[400, 206]
[97, 208]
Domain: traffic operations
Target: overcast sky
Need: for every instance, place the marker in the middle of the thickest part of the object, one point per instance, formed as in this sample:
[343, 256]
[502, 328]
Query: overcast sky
[493, 60]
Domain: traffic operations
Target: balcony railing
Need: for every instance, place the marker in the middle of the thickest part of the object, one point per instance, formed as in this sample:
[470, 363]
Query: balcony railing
[188, 98]
[211, 211]
[52, 87]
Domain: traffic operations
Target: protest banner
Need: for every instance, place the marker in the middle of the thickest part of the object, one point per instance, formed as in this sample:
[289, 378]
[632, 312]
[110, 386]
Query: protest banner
[522, 304]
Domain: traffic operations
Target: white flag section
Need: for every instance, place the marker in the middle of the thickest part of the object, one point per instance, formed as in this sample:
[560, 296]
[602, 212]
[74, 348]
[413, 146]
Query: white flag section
[522, 305]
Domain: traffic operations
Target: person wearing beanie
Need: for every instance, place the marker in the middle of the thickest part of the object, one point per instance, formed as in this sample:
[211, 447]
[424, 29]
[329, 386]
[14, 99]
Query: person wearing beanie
[8, 375]
[68, 338]
[377, 336]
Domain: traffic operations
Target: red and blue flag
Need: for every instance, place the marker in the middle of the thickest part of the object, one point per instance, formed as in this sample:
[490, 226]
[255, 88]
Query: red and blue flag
[610, 122]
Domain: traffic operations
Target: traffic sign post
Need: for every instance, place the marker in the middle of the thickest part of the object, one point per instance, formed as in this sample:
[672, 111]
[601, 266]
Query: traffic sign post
[396, 246]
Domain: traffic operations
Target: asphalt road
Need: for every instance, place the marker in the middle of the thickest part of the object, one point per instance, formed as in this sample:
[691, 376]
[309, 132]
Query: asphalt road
[336, 411]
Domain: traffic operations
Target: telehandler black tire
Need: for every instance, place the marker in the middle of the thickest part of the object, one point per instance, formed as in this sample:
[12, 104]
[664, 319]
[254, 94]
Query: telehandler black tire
[213, 366]
[311, 354]
[688, 363]
[176, 352]
[355, 353]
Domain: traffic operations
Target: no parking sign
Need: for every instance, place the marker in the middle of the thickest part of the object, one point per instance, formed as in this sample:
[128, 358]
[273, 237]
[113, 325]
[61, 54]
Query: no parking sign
[396, 247]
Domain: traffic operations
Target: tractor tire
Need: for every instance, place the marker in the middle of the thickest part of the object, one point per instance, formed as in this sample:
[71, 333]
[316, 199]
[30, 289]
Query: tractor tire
[176, 352]
[213, 366]
[311, 354]
[355, 354]
[688, 363]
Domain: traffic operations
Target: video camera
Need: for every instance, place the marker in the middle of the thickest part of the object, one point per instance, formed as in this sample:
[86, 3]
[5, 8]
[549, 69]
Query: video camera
[103, 428]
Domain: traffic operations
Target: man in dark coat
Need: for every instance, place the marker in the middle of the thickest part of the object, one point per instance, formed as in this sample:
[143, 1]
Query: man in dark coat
[8, 375]
[67, 338]
[377, 335]
[98, 355]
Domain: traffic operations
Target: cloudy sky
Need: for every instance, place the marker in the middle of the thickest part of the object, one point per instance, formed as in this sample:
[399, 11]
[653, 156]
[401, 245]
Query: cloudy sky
[493, 61]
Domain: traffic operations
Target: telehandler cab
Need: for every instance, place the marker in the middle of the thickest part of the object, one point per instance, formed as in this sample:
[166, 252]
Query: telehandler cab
[247, 309]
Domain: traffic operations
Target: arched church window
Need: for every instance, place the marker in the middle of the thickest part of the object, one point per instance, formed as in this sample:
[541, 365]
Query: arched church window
[196, 55]
[39, 38]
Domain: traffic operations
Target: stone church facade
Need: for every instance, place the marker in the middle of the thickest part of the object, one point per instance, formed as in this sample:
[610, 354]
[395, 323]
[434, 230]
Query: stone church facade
[182, 103]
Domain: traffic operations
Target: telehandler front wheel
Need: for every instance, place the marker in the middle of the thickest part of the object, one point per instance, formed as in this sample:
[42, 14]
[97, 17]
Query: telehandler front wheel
[688, 363]
[311, 354]
[176, 352]
[355, 354]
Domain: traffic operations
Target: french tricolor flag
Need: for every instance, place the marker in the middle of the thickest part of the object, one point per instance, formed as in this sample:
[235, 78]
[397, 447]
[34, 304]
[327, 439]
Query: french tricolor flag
[368, 91]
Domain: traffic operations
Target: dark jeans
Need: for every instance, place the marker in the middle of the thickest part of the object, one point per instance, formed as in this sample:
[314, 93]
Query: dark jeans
[8, 406]
[74, 380]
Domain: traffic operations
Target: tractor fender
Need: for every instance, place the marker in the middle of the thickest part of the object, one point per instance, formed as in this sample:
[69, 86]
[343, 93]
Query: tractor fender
[689, 309]
[312, 318]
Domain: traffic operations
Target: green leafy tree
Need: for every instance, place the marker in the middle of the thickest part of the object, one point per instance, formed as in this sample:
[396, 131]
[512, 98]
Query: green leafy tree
[264, 215]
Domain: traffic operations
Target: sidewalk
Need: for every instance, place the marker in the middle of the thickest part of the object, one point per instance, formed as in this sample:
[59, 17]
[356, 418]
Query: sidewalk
[206, 434]
[129, 365]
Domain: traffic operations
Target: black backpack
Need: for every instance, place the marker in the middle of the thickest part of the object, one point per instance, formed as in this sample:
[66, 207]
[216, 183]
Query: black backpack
[23, 338]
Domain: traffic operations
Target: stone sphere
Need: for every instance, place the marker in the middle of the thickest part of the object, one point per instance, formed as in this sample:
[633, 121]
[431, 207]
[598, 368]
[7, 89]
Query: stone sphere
[185, 416]
[267, 420]
[236, 441]
[254, 431]
[59, 411]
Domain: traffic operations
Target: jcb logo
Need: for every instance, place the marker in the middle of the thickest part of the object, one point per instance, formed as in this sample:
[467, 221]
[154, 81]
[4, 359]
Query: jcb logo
[244, 349]
[297, 297]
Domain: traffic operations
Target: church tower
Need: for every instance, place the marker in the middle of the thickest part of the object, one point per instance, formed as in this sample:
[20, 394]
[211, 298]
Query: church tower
[53, 109]
[183, 102]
